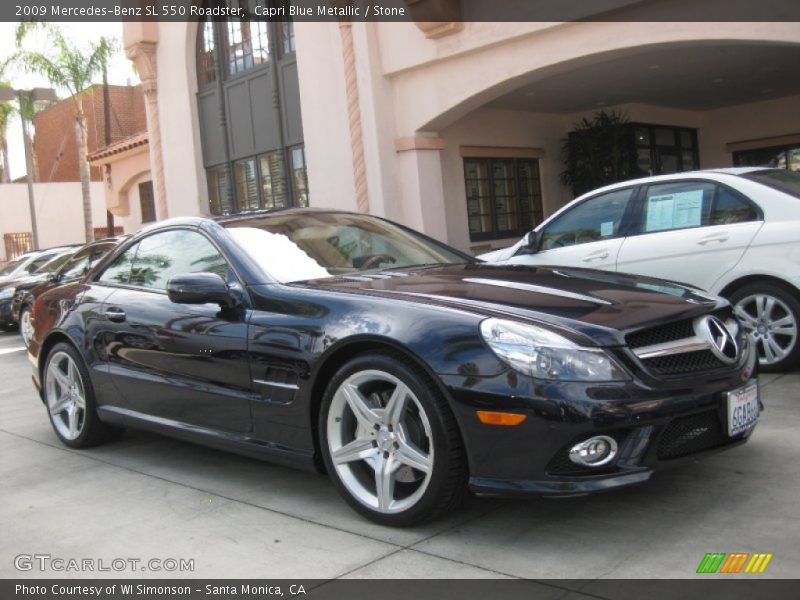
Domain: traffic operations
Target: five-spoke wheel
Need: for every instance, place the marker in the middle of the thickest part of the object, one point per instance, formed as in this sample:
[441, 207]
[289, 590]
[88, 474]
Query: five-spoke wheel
[389, 441]
[69, 399]
[66, 398]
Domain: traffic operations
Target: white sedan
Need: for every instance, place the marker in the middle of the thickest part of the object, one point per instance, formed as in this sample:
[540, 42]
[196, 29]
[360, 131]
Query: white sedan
[731, 232]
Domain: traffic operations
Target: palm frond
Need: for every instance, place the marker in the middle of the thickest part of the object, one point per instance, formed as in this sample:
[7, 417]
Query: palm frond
[25, 27]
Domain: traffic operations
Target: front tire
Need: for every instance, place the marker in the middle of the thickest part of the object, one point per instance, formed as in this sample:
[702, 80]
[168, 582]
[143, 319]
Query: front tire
[390, 442]
[70, 402]
[770, 313]
[26, 325]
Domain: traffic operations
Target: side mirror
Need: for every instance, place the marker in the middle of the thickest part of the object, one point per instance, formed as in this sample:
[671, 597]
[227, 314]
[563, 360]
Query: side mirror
[54, 277]
[530, 243]
[200, 288]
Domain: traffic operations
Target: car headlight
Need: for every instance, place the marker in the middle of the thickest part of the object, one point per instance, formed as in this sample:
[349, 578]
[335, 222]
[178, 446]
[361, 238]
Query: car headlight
[6, 293]
[544, 354]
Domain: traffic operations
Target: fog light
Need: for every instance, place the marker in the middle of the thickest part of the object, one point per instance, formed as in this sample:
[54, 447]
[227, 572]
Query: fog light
[594, 452]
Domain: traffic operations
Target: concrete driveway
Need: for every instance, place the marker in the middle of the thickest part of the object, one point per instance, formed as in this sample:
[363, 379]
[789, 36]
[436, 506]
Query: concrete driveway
[151, 497]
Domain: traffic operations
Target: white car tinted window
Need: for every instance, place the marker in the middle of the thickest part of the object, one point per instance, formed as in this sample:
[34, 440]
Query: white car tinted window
[684, 205]
[595, 219]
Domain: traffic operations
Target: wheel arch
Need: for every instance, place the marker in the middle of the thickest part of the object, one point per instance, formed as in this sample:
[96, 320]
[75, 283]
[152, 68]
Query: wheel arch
[340, 354]
[53, 338]
[741, 282]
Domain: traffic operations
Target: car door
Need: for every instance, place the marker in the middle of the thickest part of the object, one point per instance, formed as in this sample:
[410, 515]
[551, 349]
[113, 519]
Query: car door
[691, 231]
[589, 234]
[184, 363]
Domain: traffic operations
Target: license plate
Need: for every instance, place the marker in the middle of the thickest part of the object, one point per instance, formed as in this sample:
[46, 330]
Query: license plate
[742, 409]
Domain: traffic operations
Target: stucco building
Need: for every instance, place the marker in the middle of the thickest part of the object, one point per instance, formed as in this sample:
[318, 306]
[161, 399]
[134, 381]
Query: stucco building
[452, 128]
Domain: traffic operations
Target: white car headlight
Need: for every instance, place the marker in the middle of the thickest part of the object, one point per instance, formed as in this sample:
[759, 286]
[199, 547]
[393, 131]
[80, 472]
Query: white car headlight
[6, 293]
[544, 354]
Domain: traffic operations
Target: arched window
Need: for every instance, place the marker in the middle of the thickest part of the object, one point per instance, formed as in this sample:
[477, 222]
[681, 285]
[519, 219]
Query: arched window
[206, 69]
[249, 108]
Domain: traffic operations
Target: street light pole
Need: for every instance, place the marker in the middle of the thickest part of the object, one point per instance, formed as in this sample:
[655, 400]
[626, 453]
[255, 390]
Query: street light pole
[22, 96]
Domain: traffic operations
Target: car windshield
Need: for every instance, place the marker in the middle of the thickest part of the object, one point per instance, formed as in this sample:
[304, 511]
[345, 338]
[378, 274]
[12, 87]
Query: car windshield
[52, 265]
[10, 267]
[778, 179]
[299, 247]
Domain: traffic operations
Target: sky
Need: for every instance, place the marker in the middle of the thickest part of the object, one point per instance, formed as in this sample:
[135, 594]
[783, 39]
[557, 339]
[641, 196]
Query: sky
[120, 73]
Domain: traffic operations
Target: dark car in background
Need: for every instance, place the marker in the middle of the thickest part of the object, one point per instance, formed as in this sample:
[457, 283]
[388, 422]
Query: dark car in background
[409, 371]
[34, 266]
[58, 271]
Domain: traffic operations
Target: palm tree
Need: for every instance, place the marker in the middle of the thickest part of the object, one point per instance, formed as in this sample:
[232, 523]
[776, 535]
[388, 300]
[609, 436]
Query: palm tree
[6, 110]
[70, 67]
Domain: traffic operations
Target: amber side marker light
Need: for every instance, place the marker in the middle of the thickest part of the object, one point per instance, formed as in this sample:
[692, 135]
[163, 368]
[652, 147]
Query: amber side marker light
[489, 417]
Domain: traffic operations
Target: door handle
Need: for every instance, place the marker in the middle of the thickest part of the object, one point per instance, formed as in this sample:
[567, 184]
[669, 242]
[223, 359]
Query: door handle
[721, 237]
[117, 315]
[600, 255]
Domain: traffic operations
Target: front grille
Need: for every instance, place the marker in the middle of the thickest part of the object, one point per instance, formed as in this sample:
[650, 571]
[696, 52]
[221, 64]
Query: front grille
[688, 435]
[677, 333]
[663, 333]
[682, 364]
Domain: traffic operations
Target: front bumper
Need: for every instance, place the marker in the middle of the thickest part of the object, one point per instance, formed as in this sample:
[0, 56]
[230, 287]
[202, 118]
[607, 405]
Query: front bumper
[655, 426]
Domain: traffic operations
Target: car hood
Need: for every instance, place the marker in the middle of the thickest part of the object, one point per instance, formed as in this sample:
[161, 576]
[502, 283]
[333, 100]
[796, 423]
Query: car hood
[498, 255]
[21, 280]
[600, 305]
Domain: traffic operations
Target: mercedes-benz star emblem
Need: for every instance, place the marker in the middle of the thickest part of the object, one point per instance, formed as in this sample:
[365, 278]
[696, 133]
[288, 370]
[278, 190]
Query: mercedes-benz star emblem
[720, 341]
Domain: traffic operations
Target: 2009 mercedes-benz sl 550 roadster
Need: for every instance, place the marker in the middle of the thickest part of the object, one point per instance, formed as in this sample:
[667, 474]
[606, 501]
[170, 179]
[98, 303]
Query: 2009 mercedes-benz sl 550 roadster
[409, 371]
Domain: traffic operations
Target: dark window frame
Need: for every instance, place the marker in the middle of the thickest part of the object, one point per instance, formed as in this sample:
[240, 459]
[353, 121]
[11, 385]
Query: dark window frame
[525, 222]
[744, 158]
[147, 202]
[208, 56]
[654, 147]
[278, 35]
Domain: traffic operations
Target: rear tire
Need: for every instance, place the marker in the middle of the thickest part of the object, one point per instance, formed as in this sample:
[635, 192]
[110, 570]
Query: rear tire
[70, 401]
[771, 314]
[390, 442]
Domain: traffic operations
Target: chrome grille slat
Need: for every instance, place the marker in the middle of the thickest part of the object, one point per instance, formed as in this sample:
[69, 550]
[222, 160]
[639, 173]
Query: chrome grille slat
[681, 347]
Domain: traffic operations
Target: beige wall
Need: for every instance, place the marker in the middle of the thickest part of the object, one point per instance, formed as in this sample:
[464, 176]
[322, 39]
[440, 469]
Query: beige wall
[59, 212]
[133, 221]
[186, 187]
[745, 122]
[452, 77]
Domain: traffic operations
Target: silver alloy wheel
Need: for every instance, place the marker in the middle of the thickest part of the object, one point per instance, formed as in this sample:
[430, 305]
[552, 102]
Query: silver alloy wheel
[771, 323]
[26, 327]
[378, 437]
[65, 395]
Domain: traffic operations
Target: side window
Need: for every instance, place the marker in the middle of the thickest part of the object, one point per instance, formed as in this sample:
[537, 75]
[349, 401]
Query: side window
[75, 268]
[119, 271]
[677, 206]
[731, 208]
[40, 261]
[596, 219]
[162, 255]
[673, 206]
